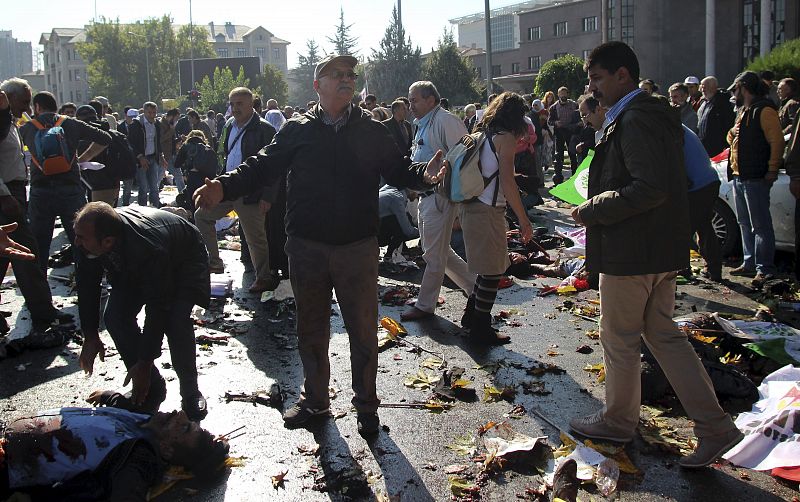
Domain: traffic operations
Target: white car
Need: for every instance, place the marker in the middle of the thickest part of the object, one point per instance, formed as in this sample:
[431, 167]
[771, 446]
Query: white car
[726, 225]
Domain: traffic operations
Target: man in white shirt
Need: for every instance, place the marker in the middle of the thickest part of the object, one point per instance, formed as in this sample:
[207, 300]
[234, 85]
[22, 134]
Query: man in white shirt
[274, 116]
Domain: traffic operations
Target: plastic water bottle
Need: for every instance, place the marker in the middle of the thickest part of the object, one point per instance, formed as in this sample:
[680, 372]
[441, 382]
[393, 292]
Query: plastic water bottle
[606, 476]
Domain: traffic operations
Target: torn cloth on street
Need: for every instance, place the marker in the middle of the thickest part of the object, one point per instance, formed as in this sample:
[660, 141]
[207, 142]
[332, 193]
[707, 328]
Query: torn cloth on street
[772, 428]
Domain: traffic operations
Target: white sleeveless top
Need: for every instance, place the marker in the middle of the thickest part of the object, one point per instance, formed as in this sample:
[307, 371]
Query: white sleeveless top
[489, 166]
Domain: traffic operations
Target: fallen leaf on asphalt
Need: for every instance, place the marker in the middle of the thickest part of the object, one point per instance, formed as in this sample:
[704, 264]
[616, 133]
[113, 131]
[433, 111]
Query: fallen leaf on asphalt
[432, 363]
[397, 357]
[456, 469]
[553, 353]
[430, 466]
[617, 453]
[492, 394]
[744, 476]
[517, 412]
[463, 445]
[393, 327]
[504, 441]
[658, 432]
[461, 487]
[599, 369]
[584, 349]
[534, 387]
[484, 428]
[309, 450]
[593, 334]
[421, 380]
[490, 368]
[333, 392]
[277, 479]
[540, 368]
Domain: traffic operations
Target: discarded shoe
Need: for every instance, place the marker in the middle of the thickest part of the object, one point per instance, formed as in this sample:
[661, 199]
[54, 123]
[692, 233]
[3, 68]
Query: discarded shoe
[595, 427]
[196, 407]
[368, 424]
[565, 481]
[710, 448]
[298, 415]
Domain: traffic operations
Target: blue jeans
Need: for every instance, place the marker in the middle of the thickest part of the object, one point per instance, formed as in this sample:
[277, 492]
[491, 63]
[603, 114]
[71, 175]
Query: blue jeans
[48, 201]
[148, 180]
[755, 222]
[177, 175]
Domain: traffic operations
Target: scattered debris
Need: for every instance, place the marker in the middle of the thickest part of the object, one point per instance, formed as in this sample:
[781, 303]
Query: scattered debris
[277, 479]
[273, 397]
[584, 349]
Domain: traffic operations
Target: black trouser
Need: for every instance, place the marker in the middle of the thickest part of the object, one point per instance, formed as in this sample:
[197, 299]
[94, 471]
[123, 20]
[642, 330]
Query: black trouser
[797, 239]
[276, 231]
[120, 318]
[563, 137]
[701, 210]
[31, 279]
[390, 234]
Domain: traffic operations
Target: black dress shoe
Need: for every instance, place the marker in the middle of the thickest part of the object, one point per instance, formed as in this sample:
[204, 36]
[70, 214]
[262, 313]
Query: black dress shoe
[368, 424]
[195, 407]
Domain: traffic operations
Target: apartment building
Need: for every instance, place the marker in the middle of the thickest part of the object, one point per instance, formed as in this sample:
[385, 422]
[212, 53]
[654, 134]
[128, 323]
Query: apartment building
[16, 57]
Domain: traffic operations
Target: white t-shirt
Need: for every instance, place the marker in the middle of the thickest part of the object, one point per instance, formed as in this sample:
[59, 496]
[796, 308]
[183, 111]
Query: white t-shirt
[489, 166]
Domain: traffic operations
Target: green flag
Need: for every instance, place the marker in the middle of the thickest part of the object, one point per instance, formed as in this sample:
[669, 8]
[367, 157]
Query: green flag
[575, 189]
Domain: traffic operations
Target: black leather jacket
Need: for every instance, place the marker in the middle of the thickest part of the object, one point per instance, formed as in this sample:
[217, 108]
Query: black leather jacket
[258, 133]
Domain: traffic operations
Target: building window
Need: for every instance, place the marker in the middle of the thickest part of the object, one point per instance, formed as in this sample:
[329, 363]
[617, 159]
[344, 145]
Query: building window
[261, 37]
[241, 52]
[70, 76]
[534, 62]
[58, 56]
[627, 22]
[534, 33]
[59, 77]
[222, 52]
[586, 54]
[514, 68]
[77, 74]
[276, 54]
[751, 31]
[261, 52]
[71, 96]
[779, 22]
[590, 23]
[611, 19]
[559, 55]
[504, 36]
[560, 29]
[496, 70]
[78, 96]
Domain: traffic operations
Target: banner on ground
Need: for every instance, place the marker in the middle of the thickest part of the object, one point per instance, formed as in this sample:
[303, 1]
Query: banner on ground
[576, 189]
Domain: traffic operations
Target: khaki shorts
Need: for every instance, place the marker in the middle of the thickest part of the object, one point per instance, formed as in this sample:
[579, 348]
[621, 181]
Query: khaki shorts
[484, 230]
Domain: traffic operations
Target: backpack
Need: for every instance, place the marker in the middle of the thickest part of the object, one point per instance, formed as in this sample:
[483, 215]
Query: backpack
[463, 180]
[121, 157]
[52, 155]
[204, 159]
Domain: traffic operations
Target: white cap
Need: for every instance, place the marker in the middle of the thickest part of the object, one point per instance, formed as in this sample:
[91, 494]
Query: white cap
[133, 113]
[691, 79]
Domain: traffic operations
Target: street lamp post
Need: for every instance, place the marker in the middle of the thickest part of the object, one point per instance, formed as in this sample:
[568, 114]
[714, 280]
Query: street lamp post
[191, 42]
[146, 60]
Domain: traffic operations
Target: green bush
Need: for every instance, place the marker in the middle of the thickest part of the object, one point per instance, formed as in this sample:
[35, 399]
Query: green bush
[783, 60]
[565, 71]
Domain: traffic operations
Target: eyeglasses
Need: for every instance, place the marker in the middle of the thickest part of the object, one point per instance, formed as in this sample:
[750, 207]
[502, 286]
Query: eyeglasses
[339, 75]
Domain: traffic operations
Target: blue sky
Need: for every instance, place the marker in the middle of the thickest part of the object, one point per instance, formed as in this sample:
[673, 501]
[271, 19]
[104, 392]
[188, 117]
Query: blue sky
[295, 20]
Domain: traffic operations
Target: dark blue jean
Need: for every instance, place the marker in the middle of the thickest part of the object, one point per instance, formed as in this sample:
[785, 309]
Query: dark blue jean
[48, 202]
[755, 223]
[148, 180]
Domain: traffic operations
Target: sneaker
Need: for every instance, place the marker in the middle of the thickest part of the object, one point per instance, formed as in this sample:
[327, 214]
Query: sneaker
[298, 415]
[368, 424]
[565, 481]
[595, 427]
[710, 448]
[741, 270]
[195, 407]
[759, 280]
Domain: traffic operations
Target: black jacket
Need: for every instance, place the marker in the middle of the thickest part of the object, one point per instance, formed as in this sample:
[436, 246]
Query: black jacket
[161, 257]
[257, 134]
[394, 127]
[136, 136]
[714, 120]
[333, 176]
[106, 178]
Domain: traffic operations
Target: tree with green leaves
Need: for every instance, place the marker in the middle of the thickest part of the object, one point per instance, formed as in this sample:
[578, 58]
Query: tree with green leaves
[214, 91]
[117, 63]
[395, 65]
[451, 73]
[271, 85]
[783, 61]
[565, 71]
[343, 42]
[301, 79]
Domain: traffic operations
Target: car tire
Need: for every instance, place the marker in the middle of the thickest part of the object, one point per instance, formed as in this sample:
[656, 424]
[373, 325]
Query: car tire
[727, 229]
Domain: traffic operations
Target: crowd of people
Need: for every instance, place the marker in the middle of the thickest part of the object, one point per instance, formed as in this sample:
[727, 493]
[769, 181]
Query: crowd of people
[651, 188]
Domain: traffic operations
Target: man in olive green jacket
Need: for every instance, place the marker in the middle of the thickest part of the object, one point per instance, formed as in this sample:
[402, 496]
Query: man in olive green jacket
[637, 238]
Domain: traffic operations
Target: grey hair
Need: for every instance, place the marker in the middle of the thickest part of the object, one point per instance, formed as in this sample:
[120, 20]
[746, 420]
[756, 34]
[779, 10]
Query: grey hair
[150, 104]
[426, 90]
[14, 86]
[470, 108]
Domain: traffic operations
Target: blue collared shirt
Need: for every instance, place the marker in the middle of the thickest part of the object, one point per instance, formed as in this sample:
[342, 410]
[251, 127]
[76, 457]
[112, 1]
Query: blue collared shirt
[422, 150]
[614, 111]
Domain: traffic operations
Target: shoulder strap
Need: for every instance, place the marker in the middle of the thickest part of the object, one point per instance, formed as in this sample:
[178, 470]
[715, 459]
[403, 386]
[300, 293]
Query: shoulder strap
[37, 124]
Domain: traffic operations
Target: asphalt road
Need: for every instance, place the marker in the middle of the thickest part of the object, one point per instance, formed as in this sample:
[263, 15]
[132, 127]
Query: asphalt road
[409, 461]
